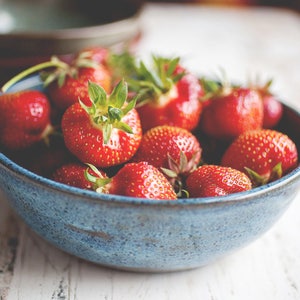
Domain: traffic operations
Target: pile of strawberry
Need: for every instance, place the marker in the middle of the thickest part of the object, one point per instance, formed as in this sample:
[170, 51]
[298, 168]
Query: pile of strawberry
[110, 123]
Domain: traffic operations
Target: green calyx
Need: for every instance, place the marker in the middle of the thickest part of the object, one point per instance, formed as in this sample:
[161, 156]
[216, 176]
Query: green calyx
[98, 181]
[210, 87]
[220, 86]
[59, 74]
[177, 171]
[151, 83]
[64, 70]
[60, 70]
[259, 180]
[107, 111]
[123, 65]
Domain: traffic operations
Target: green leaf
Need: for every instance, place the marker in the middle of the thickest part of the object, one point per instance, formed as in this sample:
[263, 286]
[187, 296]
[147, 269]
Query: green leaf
[48, 77]
[156, 80]
[119, 94]
[148, 75]
[173, 63]
[84, 61]
[177, 77]
[98, 181]
[107, 130]
[107, 111]
[97, 94]
[124, 127]
[129, 106]
[114, 114]
[257, 179]
[91, 110]
[276, 172]
[123, 64]
[183, 161]
[89, 177]
[170, 173]
[210, 86]
[94, 169]
[61, 79]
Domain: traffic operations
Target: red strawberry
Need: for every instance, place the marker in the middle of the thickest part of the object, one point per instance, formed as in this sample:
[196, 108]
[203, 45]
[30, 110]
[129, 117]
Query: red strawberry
[213, 180]
[117, 64]
[67, 82]
[72, 84]
[272, 106]
[162, 142]
[105, 134]
[169, 95]
[173, 149]
[272, 111]
[24, 119]
[73, 174]
[43, 160]
[140, 180]
[263, 154]
[232, 112]
[97, 54]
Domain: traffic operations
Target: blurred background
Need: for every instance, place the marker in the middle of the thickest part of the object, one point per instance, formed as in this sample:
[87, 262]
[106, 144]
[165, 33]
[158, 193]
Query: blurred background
[291, 4]
[33, 30]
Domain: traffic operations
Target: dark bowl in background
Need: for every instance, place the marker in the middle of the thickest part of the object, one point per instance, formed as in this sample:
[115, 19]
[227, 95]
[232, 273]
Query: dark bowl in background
[31, 31]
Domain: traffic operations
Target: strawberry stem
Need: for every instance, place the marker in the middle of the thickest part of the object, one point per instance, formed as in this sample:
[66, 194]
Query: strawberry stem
[98, 180]
[107, 111]
[257, 179]
[154, 82]
[54, 62]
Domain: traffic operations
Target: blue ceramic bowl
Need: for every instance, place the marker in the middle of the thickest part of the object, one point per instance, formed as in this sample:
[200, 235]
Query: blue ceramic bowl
[147, 235]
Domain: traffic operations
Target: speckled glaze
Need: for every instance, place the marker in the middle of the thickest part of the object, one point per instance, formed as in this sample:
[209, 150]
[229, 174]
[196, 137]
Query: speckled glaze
[148, 235]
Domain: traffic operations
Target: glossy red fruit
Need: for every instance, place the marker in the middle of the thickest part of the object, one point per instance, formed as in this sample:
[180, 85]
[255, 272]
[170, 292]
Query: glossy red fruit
[272, 111]
[169, 95]
[264, 154]
[75, 87]
[105, 134]
[24, 119]
[162, 143]
[43, 158]
[73, 174]
[229, 114]
[97, 54]
[214, 180]
[273, 108]
[174, 150]
[141, 180]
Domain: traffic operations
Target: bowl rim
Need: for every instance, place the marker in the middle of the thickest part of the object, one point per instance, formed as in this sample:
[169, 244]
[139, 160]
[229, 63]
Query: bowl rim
[118, 27]
[93, 196]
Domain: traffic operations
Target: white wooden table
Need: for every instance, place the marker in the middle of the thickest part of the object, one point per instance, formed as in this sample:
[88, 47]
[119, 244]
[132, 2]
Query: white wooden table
[245, 43]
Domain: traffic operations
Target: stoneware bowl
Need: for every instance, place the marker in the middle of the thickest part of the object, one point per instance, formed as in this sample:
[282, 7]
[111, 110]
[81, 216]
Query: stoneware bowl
[147, 235]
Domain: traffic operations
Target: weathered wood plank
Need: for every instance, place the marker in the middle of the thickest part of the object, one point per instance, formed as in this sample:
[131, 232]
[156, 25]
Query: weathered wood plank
[9, 240]
[246, 274]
